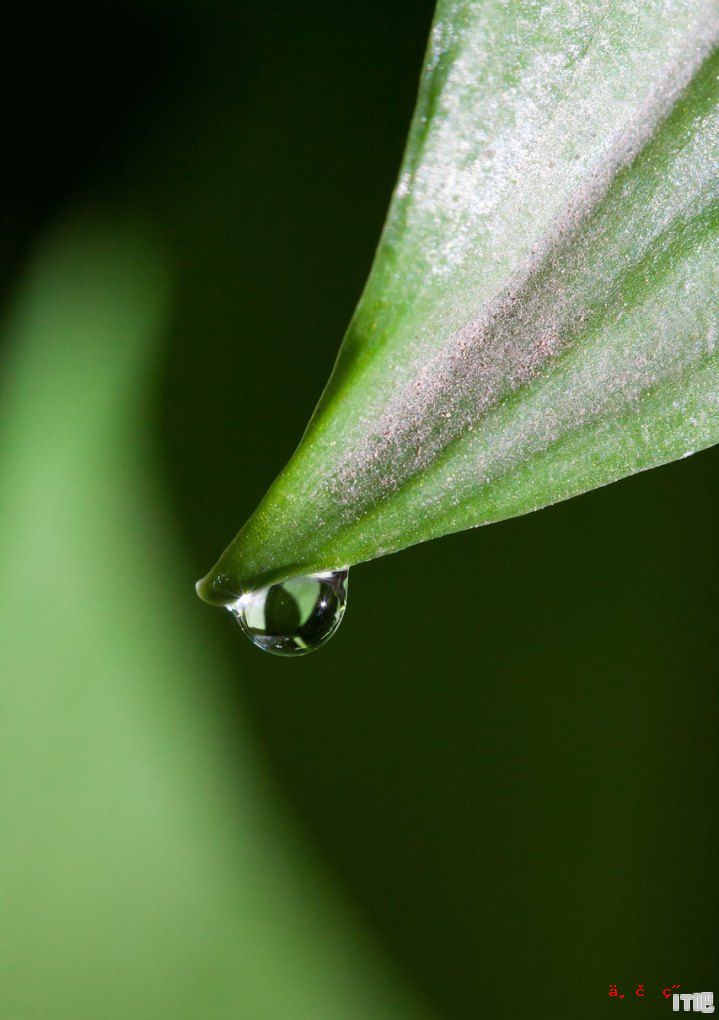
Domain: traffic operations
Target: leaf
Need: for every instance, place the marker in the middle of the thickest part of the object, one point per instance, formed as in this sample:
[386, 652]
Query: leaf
[148, 868]
[541, 315]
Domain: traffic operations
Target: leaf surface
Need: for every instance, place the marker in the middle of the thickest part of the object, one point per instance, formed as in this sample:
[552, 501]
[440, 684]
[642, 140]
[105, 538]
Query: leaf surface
[149, 868]
[541, 315]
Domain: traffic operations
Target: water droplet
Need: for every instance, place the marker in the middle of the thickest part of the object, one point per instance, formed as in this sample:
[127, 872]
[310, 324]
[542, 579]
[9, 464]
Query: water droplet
[296, 616]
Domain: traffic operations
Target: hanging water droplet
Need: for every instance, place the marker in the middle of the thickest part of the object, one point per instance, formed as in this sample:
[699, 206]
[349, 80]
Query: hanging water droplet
[296, 616]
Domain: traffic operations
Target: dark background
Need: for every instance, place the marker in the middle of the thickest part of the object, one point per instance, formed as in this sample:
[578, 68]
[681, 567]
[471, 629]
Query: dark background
[507, 756]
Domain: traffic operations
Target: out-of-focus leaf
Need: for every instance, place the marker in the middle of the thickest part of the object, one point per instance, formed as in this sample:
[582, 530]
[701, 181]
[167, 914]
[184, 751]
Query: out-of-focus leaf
[146, 868]
[541, 317]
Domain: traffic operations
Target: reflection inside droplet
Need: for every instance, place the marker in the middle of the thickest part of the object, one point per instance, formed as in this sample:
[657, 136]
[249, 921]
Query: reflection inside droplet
[296, 616]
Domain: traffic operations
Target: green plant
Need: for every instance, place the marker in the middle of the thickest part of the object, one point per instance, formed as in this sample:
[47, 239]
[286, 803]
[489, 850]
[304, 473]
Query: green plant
[148, 869]
[539, 319]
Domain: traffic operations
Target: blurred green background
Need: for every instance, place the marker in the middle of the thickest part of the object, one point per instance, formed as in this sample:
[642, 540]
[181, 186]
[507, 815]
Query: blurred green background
[496, 787]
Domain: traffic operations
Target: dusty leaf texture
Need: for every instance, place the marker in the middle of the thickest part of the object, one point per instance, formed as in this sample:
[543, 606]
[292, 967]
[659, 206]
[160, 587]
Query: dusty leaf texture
[541, 316]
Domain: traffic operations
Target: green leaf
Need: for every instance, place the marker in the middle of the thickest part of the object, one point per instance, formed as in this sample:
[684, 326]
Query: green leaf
[148, 867]
[541, 316]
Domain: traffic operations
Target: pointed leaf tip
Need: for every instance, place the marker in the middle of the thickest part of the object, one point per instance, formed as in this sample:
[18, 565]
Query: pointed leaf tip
[541, 317]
